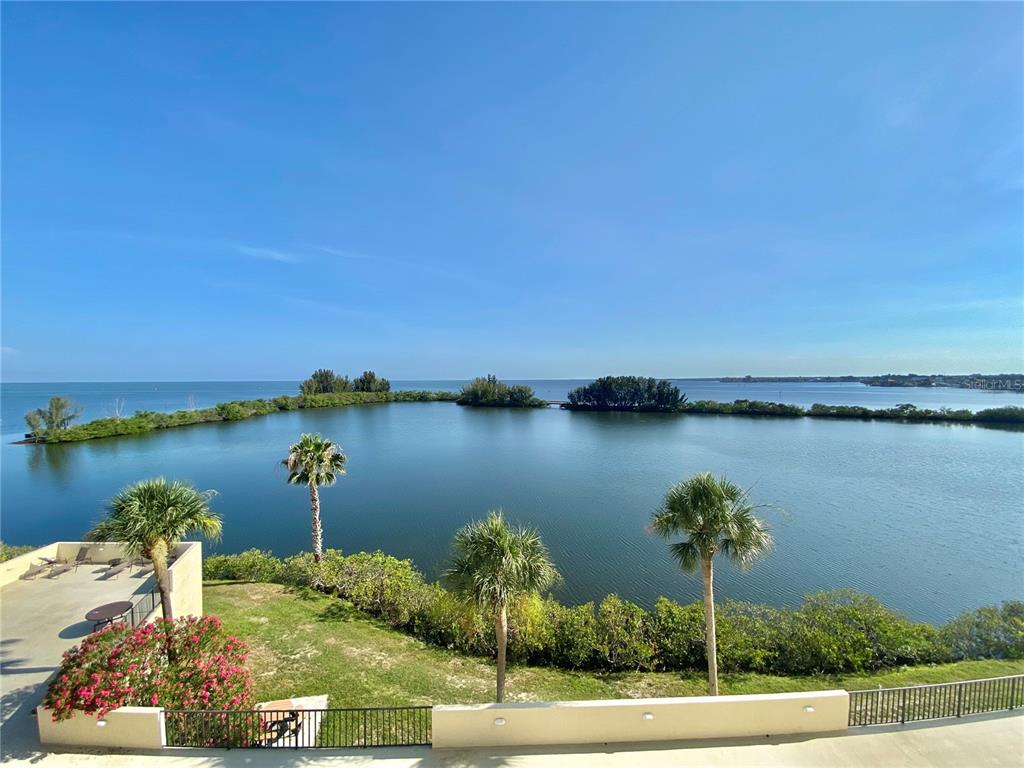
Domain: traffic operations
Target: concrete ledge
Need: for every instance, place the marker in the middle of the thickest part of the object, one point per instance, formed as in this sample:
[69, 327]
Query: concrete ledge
[639, 720]
[127, 727]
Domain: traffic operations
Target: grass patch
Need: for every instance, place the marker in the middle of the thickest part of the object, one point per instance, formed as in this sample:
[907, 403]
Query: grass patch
[305, 643]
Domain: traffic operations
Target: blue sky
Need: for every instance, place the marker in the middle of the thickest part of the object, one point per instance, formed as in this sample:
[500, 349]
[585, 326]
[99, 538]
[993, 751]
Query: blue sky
[250, 191]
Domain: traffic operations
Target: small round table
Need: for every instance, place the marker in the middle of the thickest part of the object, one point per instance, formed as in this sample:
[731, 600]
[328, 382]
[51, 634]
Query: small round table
[105, 614]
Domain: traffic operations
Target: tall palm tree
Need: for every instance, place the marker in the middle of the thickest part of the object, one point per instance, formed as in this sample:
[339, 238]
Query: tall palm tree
[315, 461]
[150, 518]
[495, 565]
[714, 515]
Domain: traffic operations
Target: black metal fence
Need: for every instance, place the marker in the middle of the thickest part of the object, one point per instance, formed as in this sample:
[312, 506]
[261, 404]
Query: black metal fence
[886, 706]
[142, 606]
[299, 728]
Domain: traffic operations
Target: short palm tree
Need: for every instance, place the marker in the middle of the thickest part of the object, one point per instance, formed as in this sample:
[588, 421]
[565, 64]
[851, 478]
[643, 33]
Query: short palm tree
[150, 518]
[714, 515]
[495, 565]
[315, 461]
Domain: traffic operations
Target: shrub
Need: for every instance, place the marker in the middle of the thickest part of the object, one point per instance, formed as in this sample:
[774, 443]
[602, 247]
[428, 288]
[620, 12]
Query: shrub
[992, 632]
[574, 635]
[120, 666]
[679, 630]
[250, 565]
[488, 391]
[847, 631]
[324, 381]
[529, 630]
[831, 632]
[368, 382]
[8, 551]
[623, 629]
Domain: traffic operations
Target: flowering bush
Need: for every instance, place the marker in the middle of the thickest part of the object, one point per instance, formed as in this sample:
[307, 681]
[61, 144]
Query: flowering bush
[120, 666]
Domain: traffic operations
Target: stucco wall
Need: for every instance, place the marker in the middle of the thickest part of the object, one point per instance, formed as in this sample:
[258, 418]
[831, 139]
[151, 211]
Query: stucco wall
[129, 727]
[187, 580]
[12, 569]
[634, 720]
[99, 551]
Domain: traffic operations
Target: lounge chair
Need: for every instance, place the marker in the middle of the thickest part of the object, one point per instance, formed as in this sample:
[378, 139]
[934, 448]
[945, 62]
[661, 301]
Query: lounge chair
[117, 566]
[82, 558]
[34, 570]
[57, 570]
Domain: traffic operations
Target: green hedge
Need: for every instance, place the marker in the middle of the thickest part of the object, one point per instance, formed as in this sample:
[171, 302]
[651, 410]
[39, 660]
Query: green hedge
[237, 410]
[831, 632]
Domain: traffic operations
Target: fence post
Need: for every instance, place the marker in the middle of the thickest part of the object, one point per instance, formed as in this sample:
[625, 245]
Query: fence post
[903, 706]
[1013, 691]
[959, 698]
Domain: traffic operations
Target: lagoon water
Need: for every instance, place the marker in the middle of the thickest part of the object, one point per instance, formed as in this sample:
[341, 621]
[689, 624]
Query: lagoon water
[930, 518]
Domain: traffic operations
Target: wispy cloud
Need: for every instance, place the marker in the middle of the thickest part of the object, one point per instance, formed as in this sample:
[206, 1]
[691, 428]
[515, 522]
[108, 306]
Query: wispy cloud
[271, 254]
[8, 350]
[345, 253]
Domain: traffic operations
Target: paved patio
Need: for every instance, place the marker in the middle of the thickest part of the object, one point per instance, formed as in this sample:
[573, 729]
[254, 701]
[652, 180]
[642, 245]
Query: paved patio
[39, 620]
[995, 741]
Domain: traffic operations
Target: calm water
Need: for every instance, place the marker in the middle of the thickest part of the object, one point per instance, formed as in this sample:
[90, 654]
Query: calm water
[927, 517]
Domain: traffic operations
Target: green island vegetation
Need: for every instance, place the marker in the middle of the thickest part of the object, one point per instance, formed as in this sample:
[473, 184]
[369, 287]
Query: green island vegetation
[488, 391]
[635, 393]
[304, 643]
[831, 633]
[626, 393]
[325, 381]
[53, 425]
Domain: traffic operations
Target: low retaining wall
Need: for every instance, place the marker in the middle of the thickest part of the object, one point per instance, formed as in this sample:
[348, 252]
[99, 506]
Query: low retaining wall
[127, 727]
[635, 720]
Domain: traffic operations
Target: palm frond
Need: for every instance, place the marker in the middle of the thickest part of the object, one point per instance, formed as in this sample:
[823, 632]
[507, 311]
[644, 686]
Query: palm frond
[495, 564]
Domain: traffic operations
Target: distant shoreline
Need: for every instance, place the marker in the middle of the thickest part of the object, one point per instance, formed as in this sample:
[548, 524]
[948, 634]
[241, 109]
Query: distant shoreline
[996, 382]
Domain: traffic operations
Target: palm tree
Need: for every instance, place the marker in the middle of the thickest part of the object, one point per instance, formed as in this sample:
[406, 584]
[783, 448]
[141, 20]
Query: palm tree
[150, 518]
[495, 565]
[714, 515]
[315, 461]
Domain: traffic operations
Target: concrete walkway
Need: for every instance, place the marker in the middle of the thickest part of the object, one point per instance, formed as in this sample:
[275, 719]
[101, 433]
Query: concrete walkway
[985, 741]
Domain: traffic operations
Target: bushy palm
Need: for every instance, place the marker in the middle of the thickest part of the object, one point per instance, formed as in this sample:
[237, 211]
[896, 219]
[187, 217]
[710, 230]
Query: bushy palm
[315, 461]
[151, 517]
[495, 565]
[714, 515]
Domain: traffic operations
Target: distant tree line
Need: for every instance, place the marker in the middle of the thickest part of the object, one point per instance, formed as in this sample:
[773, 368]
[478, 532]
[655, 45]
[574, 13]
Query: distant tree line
[325, 382]
[488, 391]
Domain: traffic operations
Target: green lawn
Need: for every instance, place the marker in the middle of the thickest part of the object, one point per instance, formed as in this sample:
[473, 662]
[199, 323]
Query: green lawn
[306, 643]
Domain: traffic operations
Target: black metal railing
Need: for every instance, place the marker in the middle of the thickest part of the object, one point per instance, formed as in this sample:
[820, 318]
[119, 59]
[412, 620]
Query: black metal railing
[142, 606]
[886, 706]
[299, 728]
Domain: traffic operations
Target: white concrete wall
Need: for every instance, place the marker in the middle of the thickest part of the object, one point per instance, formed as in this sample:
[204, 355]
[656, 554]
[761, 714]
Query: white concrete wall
[186, 574]
[128, 727]
[99, 551]
[636, 720]
[12, 569]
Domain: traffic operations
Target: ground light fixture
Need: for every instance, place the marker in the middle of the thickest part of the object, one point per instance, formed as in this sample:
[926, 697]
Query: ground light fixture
[499, 721]
[808, 709]
[648, 715]
[101, 723]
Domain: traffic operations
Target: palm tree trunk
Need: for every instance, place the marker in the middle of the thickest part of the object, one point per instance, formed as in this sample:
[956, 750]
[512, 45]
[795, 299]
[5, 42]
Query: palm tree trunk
[501, 633]
[710, 641]
[318, 531]
[158, 556]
